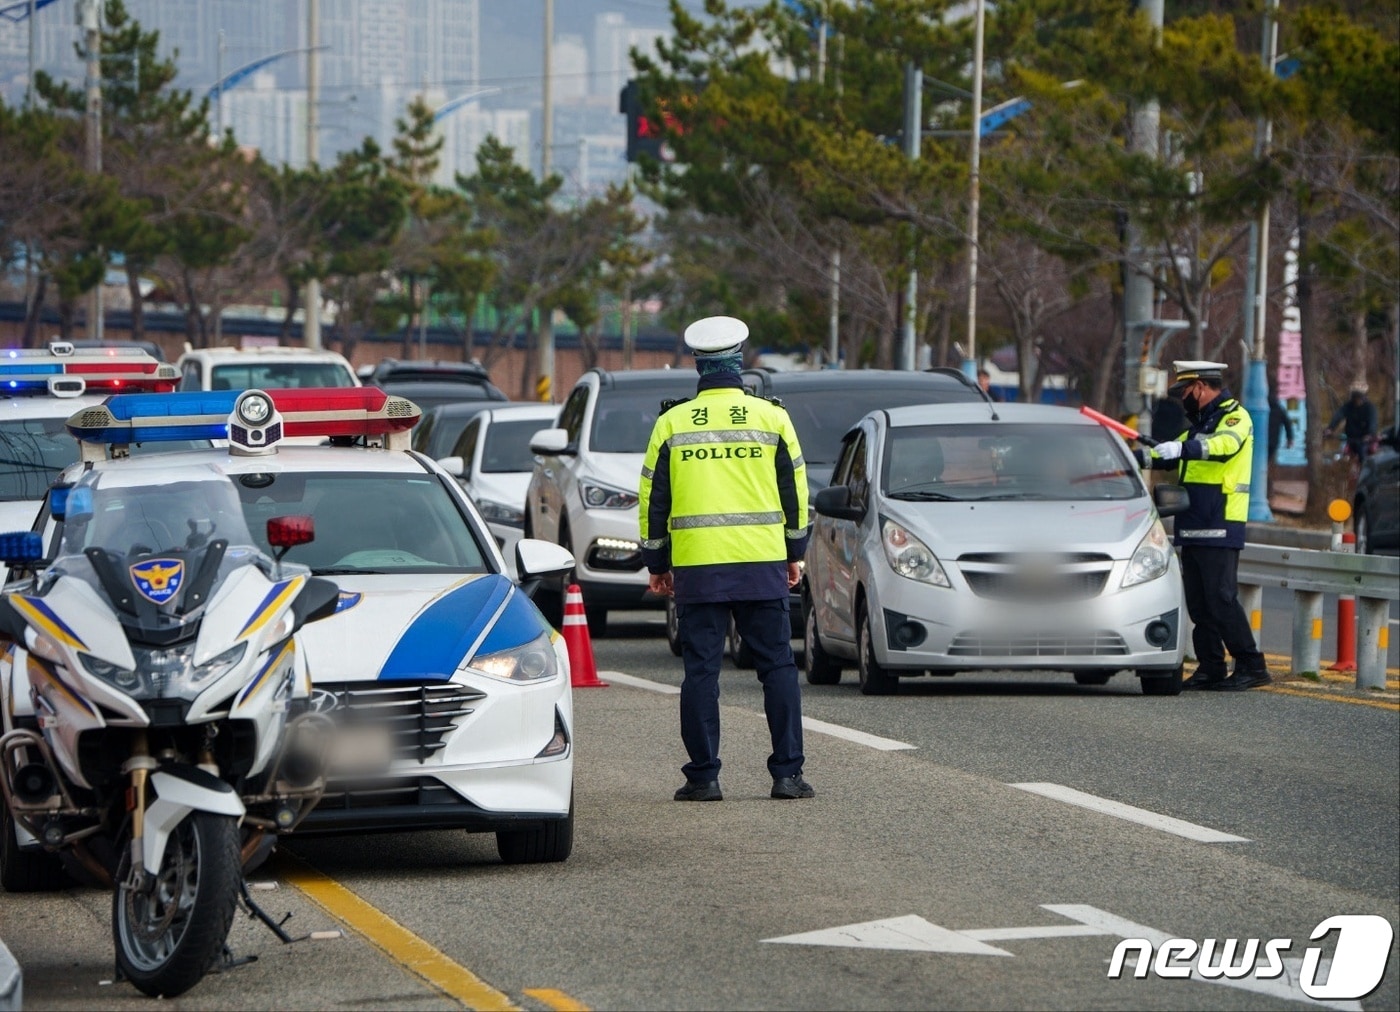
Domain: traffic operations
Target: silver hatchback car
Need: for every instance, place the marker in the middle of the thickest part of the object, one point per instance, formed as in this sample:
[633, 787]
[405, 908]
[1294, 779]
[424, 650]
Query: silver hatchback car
[960, 537]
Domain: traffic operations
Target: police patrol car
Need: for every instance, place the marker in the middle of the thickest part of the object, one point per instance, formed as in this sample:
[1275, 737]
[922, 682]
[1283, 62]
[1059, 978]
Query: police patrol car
[450, 690]
[39, 389]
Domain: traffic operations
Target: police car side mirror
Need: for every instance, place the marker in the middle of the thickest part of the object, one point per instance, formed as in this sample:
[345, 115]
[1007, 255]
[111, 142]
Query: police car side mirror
[1171, 500]
[454, 466]
[551, 443]
[537, 560]
[835, 502]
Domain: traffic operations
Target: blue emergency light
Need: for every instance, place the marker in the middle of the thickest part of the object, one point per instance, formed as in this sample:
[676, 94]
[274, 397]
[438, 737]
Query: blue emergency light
[21, 547]
[193, 414]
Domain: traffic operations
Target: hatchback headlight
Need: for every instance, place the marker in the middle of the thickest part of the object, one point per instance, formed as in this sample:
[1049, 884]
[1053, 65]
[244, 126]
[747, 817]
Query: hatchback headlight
[530, 662]
[500, 513]
[605, 497]
[1151, 558]
[910, 557]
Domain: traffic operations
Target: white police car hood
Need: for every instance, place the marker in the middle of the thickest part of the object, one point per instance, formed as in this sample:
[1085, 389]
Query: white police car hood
[952, 529]
[415, 627]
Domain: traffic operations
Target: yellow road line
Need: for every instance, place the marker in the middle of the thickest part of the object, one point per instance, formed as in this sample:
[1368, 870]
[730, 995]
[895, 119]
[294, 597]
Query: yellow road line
[397, 942]
[1288, 690]
[556, 999]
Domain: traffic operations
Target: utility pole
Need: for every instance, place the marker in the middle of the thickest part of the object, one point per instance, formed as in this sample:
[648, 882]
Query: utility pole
[1256, 380]
[969, 365]
[1138, 287]
[219, 109]
[544, 384]
[29, 81]
[90, 17]
[913, 131]
[311, 330]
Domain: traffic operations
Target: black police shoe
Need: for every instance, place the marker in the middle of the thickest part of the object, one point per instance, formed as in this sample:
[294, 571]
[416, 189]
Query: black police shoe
[1242, 680]
[788, 788]
[694, 790]
[1202, 679]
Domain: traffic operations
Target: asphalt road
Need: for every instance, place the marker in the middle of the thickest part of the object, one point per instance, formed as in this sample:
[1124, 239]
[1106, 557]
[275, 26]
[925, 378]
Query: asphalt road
[953, 888]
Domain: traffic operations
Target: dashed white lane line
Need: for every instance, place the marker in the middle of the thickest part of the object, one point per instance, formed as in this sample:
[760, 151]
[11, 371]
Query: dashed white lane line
[1129, 813]
[808, 723]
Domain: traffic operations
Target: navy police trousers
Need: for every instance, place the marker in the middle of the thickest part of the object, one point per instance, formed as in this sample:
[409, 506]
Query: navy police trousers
[766, 629]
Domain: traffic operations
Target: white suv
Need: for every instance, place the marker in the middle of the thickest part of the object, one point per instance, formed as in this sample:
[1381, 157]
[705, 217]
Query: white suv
[263, 369]
[583, 493]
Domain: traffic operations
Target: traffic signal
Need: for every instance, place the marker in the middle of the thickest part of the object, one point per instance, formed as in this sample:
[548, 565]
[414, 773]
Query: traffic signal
[645, 135]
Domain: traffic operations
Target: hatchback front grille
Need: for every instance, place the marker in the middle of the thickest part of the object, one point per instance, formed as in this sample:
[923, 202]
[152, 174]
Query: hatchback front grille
[1104, 643]
[418, 716]
[1011, 558]
[1029, 587]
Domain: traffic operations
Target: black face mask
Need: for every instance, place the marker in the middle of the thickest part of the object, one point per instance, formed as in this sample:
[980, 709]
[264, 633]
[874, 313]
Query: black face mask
[1192, 406]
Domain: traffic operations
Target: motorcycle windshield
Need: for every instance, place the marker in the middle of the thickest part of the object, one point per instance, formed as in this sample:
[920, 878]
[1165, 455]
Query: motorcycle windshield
[156, 551]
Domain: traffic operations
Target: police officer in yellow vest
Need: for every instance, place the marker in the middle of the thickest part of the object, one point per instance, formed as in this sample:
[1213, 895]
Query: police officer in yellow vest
[724, 522]
[1212, 459]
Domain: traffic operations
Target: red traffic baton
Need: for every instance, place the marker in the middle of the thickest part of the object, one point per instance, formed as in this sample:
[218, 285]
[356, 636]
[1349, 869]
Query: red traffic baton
[1126, 431]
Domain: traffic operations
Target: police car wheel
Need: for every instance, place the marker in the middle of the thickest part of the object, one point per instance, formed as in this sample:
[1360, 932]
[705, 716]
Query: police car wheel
[1092, 677]
[1157, 684]
[26, 871]
[875, 680]
[552, 841]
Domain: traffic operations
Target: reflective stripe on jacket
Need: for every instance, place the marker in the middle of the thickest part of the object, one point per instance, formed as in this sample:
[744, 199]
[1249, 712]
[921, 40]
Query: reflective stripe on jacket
[723, 496]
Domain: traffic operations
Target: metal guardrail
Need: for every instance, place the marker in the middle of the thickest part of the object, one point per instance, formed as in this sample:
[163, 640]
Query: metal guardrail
[1373, 580]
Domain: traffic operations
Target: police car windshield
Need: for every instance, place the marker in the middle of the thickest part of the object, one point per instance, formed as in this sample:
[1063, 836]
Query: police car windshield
[624, 416]
[823, 416]
[34, 450]
[366, 522]
[279, 375]
[994, 462]
[507, 447]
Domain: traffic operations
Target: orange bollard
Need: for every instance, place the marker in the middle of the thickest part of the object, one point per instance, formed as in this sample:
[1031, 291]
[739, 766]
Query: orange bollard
[1346, 620]
[583, 672]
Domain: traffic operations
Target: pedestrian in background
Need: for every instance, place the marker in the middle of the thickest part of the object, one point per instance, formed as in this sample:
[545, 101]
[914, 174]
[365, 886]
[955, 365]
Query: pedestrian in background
[1212, 459]
[723, 509]
[1279, 423]
[1358, 420]
[984, 380]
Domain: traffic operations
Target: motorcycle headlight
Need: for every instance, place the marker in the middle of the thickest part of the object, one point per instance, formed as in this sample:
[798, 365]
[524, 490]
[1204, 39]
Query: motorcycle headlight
[166, 674]
[910, 557]
[217, 667]
[1151, 557]
[125, 679]
[605, 497]
[500, 513]
[530, 662]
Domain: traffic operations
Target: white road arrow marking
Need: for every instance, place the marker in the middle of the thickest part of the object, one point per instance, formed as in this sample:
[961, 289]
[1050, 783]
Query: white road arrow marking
[909, 934]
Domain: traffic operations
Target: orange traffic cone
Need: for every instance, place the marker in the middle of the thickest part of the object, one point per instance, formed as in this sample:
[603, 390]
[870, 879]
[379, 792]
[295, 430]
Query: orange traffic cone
[583, 672]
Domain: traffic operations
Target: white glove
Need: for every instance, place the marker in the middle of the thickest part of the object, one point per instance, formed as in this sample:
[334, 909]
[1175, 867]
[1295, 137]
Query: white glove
[1168, 451]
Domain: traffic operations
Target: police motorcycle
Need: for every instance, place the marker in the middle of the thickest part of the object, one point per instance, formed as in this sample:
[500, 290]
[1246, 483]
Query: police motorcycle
[151, 707]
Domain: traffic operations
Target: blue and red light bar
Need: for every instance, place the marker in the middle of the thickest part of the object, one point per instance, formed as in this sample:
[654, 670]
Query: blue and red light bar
[34, 370]
[332, 411]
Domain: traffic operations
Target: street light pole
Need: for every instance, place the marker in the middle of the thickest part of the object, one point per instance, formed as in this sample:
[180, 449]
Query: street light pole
[29, 81]
[1138, 285]
[544, 383]
[913, 135]
[969, 365]
[89, 16]
[311, 330]
[219, 109]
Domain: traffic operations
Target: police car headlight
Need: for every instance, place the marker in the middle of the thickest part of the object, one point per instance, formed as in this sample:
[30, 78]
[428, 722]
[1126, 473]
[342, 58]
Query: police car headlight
[254, 409]
[500, 513]
[910, 557]
[605, 497]
[1151, 558]
[530, 662]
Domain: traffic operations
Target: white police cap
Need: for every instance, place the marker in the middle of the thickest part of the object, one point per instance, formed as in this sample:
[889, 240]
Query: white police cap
[1194, 370]
[716, 335]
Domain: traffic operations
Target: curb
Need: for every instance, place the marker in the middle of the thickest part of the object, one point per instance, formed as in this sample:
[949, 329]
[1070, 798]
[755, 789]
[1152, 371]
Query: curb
[11, 982]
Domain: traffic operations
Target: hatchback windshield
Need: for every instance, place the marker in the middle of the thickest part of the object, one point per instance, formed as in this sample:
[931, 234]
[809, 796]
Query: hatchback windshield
[1006, 462]
[822, 417]
[366, 523]
[508, 447]
[279, 375]
[34, 450]
[623, 418]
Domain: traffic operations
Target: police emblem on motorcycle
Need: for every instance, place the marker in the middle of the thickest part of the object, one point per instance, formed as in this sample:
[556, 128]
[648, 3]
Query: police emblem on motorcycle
[158, 580]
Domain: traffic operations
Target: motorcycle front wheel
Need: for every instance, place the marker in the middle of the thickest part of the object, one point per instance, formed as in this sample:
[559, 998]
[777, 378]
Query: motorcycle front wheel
[168, 935]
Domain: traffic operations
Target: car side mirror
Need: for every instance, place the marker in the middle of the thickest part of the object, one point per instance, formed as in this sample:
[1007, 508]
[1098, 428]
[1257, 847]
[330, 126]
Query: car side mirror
[551, 443]
[454, 466]
[835, 502]
[537, 560]
[1171, 500]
